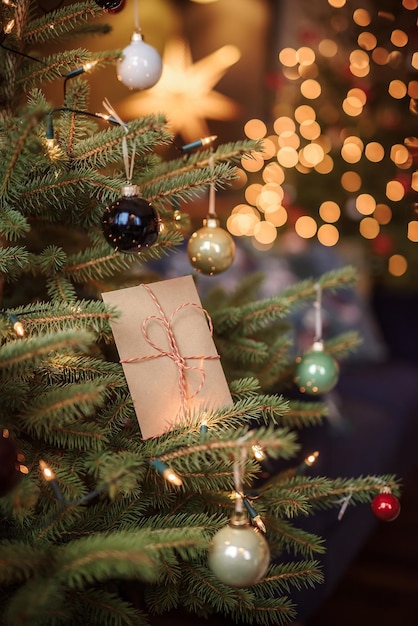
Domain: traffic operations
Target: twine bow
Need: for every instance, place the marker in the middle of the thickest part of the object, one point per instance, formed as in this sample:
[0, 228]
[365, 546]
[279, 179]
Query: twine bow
[174, 351]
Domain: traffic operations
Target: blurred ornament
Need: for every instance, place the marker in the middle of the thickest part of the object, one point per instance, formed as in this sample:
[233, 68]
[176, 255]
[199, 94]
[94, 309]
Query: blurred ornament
[140, 66]
[130, 223]
[239, 555]
[9, 464]
[316, 371]
[211, 249]
[118, 8]
[110, 5]
[386, 506]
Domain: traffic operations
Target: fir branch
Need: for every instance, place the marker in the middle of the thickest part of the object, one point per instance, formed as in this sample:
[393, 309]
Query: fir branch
[98, 606]
[23, 356]
[285, 576]
[65, 20]
[135, 554]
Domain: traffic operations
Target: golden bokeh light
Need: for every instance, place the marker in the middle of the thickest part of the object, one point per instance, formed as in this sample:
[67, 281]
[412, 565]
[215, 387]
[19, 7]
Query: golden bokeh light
[413, 231]
[265, 232]
[273, 173]
[369, 228]
[313, 154]
[287, 157]
[255, 129]
[328, 48]
[276, 216]
[328, 235]
[351, 152]
[361, 17]
[397, 89]
[413, 89]
[325, 166]
[399, 38]
[367, 41]
[284, 125]
[242, 221]
[337, 4]
[352, 107]
[329, 211]
[374, 152]
[305, 113]
[397, 265]
[380, 56]
[306, 227]
[289, 139]
[305, 56]
[410, 4]
[310, 89]
[414, 60]
[351, 181]
[399, 154]
[252, 193]
[310, 129]
[288, 57]
[382, 213]
[365, 204]
[395, 191]
[359, 59]
[270, 148]
[253, 163]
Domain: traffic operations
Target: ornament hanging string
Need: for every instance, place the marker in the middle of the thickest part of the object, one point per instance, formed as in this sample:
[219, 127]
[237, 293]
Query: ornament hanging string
[238, 472]
[128, 161]
[211, 208]
[174, 351]
[318, 313]
[136, 17]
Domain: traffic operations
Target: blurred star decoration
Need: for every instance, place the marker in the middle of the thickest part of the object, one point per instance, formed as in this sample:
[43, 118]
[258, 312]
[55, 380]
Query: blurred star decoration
[184, 93]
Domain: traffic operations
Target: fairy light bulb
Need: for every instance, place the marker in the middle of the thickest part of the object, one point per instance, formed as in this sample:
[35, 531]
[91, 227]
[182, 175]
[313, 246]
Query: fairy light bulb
[140, 66]
[47, 472]
[167, 473]
[258, 452]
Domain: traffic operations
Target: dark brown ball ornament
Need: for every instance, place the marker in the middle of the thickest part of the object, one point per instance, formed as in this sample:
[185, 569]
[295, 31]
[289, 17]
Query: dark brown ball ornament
[130, 223]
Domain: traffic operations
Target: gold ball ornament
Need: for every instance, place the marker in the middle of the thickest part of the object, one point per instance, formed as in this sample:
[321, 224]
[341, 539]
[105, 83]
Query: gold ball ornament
[211, 249]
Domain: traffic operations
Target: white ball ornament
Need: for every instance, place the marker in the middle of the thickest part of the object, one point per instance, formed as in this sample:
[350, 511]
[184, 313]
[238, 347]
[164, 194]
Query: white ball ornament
[140, 66]
[239, 555]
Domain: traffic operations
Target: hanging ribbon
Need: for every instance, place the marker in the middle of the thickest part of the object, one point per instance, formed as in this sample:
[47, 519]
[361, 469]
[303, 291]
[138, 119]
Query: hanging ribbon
[127, 160]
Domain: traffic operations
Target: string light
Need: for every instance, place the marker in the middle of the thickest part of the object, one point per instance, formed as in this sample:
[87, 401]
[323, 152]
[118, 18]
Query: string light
[253, 514]
[258, 452]
[17, 326]
[7, 30]
[49, 476]
[199, 143]
[307, 462]
[166, 472]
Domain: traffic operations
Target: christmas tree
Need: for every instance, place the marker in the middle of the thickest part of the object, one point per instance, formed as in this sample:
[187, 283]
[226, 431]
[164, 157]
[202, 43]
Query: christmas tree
[101, 524]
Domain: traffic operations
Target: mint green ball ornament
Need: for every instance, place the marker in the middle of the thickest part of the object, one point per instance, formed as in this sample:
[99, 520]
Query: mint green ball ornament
[238, 554]
[316, 371]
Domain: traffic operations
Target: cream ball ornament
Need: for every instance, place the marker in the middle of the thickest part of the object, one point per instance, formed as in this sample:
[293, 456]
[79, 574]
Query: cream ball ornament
[239, 554]
[140, 66]
[211, 249]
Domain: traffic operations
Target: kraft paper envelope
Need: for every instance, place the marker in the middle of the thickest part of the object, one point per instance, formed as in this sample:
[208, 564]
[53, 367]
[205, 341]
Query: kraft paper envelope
[175, 370]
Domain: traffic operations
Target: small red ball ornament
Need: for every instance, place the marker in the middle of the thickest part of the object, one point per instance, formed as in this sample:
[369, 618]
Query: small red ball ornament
[386, 507]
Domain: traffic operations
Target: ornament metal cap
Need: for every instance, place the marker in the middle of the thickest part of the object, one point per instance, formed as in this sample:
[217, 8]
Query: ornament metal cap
[211, 221]
[129, 190]
[318, 345]
[239, 520]
[136, 36]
